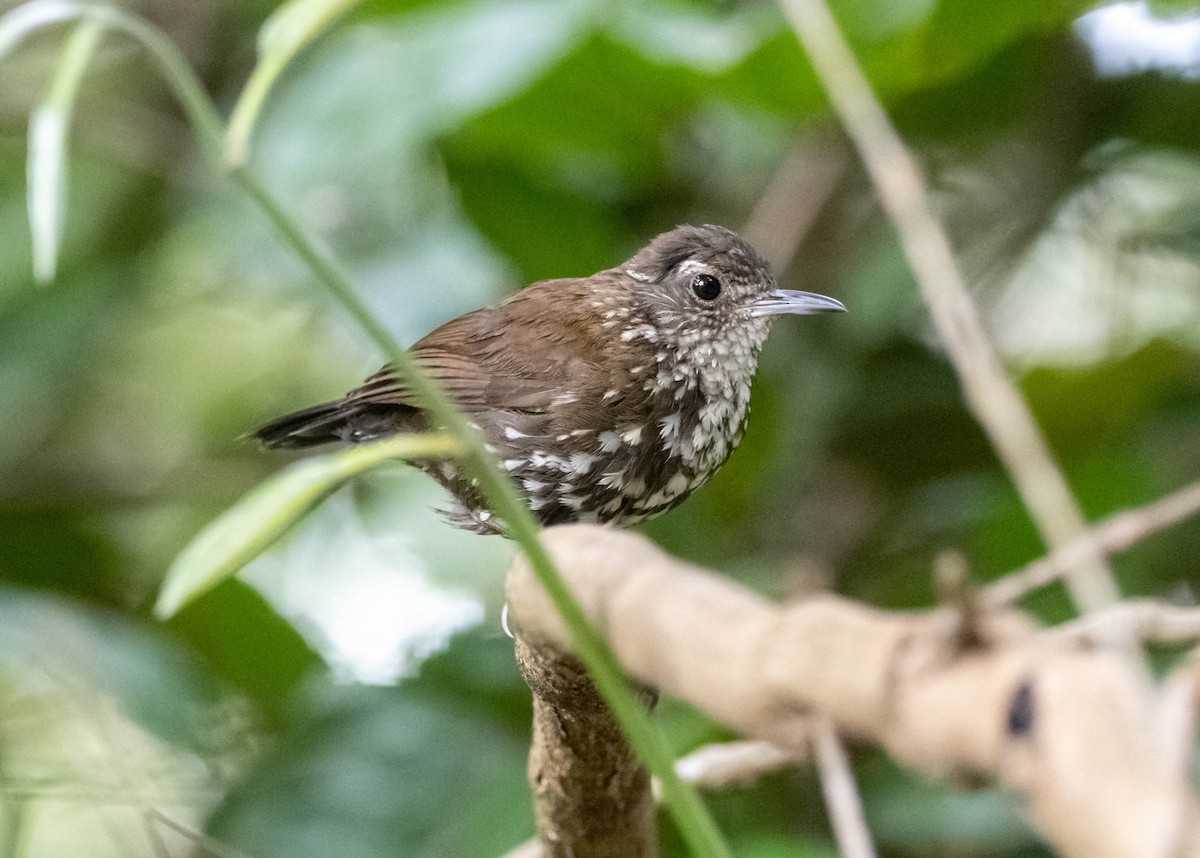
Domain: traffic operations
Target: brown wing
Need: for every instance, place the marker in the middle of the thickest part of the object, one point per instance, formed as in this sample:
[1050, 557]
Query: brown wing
[515, 356]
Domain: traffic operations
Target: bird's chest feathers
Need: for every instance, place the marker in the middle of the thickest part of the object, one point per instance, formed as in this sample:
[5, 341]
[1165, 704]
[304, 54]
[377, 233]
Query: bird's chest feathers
[707, 376]
[665, 421]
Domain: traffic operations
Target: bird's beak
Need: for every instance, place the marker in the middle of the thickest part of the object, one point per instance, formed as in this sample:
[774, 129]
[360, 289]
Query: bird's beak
[798, 303]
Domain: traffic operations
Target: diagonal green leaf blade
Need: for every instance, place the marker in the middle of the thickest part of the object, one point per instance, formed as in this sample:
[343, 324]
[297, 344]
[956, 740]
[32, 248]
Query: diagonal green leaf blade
[289, 29]
[271, 509]
[47, 168]
[18, 23]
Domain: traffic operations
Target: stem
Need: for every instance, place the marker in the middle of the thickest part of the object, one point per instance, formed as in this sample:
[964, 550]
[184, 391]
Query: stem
[47, 169]
[695, 825]
[994, 399]
[288, 31]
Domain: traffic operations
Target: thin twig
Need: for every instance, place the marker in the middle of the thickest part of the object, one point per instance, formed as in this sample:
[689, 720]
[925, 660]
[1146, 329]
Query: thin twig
[209, 844]
[1115, 533]
[841, 793]
[1143, 619]
[793, 199]
[994, 399]
[739, 762]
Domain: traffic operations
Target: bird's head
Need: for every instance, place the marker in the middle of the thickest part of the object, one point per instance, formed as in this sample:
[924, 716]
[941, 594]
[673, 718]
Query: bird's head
[704, 287]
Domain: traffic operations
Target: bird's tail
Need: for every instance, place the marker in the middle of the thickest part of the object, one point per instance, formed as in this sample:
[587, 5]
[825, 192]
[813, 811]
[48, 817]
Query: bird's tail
[341, 421]
[309, 427]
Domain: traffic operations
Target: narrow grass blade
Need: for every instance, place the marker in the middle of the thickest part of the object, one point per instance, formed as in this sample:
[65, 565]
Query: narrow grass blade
[46, 194]
[290, 27]
[28, 18]
[271, 509]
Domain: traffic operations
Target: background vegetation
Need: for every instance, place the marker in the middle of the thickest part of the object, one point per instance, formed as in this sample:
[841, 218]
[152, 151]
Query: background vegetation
[354, 695]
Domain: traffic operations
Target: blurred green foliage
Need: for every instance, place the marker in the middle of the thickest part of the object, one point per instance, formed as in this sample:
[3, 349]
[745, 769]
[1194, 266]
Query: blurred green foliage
[449, 152]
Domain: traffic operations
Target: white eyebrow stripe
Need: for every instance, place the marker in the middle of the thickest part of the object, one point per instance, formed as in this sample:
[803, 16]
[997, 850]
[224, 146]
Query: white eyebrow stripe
[690, 265]
[637, 275]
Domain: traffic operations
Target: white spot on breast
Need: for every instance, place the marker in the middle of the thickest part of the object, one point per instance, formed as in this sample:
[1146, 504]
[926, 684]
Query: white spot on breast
[608, 394]
[533, 486]
[546, 460]
[613, 479]
[609, 441]
[512, 434]
[657, 499]
[581, 463]
[564, 399]
[513, 464]
[669, 426]
[633, 436]
[675, 486]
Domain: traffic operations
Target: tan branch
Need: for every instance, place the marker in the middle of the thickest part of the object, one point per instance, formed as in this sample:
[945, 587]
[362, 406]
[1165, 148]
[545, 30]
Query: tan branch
[993, 397]
[717, 765]
[793, 199]
[1143, 619]
[1078, 732]
[591, 795]
[1115, 533]
[1179, 712]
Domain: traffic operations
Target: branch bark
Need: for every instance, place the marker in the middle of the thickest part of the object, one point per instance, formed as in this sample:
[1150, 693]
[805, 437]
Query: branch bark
[591, 795]
[1078, 732]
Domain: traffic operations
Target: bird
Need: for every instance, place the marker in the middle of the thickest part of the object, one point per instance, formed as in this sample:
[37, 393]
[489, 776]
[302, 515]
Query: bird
[607, 399]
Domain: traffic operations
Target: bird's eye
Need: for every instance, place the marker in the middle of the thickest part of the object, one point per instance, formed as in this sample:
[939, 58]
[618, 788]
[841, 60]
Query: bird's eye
[706, 287]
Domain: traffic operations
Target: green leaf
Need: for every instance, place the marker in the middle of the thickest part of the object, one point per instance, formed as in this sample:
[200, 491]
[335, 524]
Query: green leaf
[289, 29]
[520, 164]
[260, 518]
[20, 22]
[904, 48]
[154, 680]
[413, 771]
[47, 189]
